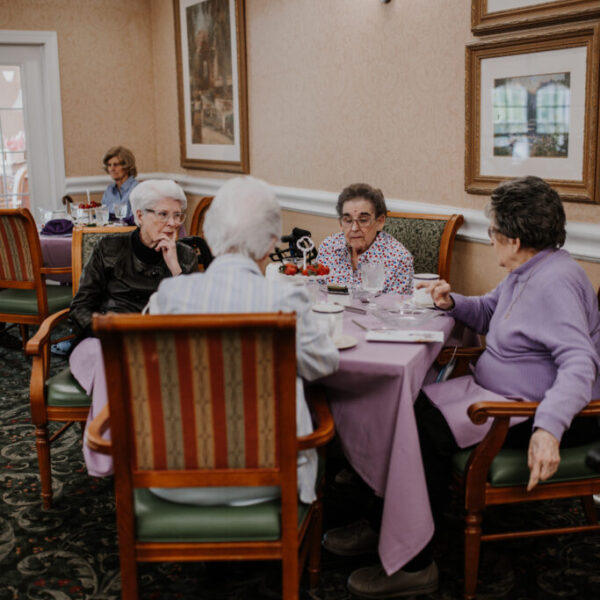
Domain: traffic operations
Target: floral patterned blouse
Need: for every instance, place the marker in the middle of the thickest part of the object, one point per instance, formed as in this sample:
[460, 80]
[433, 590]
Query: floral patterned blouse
[397, 260]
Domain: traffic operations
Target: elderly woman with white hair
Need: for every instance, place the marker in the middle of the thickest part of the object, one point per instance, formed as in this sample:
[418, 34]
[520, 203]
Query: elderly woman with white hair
[120, 276]
[242, 226]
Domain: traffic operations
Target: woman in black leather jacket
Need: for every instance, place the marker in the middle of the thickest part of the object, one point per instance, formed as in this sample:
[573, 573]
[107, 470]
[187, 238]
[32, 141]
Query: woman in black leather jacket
[120, 276]
[125, 270]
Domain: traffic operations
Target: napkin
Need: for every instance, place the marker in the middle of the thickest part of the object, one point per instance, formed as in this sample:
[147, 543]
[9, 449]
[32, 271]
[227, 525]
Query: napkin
[404, 335]
[57, 227]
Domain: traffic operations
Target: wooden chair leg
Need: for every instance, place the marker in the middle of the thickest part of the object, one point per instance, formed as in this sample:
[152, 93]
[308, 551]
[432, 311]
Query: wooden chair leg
[24, 334]
[472, 549]
[314, 548]
[589, 507]
[290, 577]
[42, 445]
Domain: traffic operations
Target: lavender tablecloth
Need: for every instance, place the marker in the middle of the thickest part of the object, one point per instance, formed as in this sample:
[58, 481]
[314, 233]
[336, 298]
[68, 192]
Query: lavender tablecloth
[371, 398]
[56, 252]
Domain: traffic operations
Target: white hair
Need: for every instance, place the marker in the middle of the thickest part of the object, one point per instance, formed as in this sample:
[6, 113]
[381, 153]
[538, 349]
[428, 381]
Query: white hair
[243, 218]
[149, 193]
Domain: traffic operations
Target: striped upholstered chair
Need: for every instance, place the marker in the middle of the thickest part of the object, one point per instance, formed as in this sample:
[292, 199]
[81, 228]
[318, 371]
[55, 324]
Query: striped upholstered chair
[207, 400]
[24, 296]
[59, 397]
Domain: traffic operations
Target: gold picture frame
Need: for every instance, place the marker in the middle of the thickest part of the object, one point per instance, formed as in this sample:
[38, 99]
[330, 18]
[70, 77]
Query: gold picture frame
[210, 41]
[531, 108]
[494, 16]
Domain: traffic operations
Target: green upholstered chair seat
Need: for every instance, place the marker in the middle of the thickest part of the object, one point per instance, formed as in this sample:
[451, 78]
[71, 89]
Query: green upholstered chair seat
[158, 520]
[24, 302]
[510, 466]
[63, 390]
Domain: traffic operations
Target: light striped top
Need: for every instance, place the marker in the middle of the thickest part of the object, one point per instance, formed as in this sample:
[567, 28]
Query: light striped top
[234, 284]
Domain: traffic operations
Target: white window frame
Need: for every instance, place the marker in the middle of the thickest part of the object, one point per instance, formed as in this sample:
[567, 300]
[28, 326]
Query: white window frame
[50, 109]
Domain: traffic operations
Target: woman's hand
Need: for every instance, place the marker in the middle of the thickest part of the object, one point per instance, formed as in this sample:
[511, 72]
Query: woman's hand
[440, 293]
[166, 244]
[543, 457]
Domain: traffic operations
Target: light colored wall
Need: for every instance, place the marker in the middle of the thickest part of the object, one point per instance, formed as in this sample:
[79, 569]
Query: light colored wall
[106, 70]
[339, 91]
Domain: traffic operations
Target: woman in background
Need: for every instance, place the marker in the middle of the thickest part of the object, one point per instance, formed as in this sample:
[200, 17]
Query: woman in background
[119, 163]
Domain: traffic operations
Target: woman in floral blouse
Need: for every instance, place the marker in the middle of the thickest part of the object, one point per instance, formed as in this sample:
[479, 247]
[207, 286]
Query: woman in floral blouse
[361, 210]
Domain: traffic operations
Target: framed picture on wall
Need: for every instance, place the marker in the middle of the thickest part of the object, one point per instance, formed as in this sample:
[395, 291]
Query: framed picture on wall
[211, 83]
[532, 109]
[493, 16]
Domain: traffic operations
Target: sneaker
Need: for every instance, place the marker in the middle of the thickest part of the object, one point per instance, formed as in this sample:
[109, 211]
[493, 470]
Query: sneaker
[372, 582]
[351, 540]
[62, 348]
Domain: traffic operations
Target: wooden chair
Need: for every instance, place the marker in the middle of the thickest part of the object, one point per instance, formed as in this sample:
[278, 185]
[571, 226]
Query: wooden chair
[24, 296]
[429, 238]
[196, 226]
[207, 400]
[488, 475]
[59, 397]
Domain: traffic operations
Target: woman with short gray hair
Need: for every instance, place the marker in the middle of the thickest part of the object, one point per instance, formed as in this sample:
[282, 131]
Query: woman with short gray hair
[542, 330]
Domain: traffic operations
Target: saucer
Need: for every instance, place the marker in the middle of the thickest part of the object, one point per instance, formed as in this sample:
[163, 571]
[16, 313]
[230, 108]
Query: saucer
[345, 341]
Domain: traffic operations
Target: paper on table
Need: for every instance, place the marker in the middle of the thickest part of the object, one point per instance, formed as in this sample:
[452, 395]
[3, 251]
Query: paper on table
[404, 335]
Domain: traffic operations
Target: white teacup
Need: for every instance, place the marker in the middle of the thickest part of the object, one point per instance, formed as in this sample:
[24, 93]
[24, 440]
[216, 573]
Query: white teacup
[421, 296]
[330, 318]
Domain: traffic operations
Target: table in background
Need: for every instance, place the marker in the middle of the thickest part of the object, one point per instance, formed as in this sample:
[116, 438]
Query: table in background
[371, 398]
[56, 252]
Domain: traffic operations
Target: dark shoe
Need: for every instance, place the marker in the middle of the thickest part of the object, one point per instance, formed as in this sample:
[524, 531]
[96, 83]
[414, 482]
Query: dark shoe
[10, 341]
[372, 582]
[351, 540]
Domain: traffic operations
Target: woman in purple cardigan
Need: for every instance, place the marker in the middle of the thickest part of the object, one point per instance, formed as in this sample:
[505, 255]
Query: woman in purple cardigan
[542, 329]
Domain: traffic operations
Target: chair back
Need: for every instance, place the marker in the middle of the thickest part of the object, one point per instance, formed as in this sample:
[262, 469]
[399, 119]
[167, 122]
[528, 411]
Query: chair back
[84, 241]
[197, 224]
[20, 250]
[201, 400]
[429, 238]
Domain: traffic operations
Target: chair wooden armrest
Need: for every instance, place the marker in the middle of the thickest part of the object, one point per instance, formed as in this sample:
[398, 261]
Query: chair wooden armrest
[326, 429]
[94, 432]
[466, 353]
[36, 344]
[56, 270]
[480, 411]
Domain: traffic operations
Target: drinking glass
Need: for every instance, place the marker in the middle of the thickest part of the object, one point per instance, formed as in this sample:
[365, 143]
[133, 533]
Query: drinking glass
[373, 280]
[101, 215]
[121, 212]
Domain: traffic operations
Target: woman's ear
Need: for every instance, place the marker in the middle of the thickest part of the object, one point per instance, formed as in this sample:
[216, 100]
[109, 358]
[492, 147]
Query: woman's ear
[380, 221]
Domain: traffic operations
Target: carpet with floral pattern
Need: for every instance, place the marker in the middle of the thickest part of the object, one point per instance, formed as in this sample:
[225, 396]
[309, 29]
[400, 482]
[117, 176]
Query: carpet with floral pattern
[70, 551]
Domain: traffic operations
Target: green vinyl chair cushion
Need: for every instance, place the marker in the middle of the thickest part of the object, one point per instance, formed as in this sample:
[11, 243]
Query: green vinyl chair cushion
[158, 520]
[510, 466]
[24, 302]
[63, 389]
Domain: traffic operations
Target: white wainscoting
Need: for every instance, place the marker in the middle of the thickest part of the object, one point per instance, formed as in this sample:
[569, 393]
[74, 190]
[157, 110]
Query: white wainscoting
[583, 239]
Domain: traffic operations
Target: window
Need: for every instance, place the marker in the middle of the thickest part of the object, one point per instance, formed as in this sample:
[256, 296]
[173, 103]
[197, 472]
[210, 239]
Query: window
[32, 167]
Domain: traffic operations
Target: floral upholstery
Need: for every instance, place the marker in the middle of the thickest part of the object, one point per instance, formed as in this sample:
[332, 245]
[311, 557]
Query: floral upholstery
[421, 237]
[219, 413]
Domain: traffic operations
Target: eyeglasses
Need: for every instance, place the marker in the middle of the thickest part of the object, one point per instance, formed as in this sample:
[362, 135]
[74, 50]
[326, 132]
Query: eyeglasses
[493, 232]
[363, 221]
[163, 216]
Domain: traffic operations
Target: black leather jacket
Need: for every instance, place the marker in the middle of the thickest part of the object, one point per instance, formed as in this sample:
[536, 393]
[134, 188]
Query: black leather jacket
[117, 279]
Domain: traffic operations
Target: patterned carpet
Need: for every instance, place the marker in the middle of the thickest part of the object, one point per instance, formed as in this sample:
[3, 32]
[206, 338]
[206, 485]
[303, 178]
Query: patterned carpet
[70, 552]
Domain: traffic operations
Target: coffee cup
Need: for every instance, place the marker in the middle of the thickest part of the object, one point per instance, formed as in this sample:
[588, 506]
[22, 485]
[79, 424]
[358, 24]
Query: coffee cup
[330, 318]
[421, 296]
